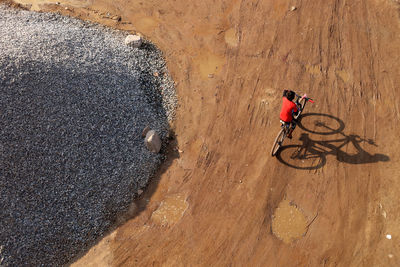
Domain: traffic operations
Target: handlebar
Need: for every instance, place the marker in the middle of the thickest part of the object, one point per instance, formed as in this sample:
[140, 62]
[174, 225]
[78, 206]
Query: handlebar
[305, 97]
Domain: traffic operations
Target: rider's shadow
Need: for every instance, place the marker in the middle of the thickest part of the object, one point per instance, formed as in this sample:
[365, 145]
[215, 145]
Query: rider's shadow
[311, 154]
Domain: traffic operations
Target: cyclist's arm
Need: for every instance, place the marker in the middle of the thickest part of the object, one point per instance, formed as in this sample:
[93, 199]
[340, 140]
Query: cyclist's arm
[295, 110]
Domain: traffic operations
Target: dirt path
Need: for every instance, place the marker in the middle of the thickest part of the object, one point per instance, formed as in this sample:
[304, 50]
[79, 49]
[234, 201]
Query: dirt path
[231, 59]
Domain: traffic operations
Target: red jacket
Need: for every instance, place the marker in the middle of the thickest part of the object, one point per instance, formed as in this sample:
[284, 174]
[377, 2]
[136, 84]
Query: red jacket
[287, 108]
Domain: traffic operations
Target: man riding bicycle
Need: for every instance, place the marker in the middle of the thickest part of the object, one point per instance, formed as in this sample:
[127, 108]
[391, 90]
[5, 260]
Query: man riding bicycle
[289, 110]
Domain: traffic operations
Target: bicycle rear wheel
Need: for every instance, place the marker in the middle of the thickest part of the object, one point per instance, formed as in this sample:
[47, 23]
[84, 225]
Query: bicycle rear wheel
[301, 158]
[278, 142]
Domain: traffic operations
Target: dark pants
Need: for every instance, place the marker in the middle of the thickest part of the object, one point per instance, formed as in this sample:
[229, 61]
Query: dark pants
[293, 124]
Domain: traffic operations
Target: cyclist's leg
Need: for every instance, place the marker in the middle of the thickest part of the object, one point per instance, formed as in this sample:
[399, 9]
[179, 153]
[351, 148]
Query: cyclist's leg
[292, 126]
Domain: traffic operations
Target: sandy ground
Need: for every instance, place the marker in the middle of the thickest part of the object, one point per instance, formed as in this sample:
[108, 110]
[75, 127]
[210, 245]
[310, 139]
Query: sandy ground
[224, 200]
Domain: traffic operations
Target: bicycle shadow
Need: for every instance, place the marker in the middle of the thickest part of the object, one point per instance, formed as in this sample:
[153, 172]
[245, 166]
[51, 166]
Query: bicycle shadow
[311, 154]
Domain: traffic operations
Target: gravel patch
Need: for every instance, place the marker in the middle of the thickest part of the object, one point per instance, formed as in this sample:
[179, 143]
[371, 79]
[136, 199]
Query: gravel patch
[73, 103]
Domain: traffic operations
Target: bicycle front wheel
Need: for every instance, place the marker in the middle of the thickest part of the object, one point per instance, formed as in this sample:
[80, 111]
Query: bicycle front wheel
[278, 142]
[302, 103]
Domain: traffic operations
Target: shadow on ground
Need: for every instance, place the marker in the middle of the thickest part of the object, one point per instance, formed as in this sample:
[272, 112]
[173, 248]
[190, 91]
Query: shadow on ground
[311, 153]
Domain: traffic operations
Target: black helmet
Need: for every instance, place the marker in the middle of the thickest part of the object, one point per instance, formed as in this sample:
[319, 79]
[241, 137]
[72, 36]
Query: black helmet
[290, 95]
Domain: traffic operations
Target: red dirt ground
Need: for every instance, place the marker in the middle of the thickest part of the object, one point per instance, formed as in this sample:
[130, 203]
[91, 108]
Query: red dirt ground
[214, 204]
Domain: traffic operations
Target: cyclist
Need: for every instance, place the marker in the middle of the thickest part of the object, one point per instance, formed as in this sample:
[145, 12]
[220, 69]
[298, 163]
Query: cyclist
[289, 109]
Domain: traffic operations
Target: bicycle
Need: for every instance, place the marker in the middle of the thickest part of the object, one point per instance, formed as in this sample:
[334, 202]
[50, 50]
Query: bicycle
[301, 102]
[311, 154]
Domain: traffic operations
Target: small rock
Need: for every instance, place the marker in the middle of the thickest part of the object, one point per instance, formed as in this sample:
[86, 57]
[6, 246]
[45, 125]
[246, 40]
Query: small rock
[210, 75]
[390, 256]
[140, 191]
[117, 18]
[66, 8]
[133, 40]
[384, 214]
[153, 141]
[155, 74]
[145, 131]
[388, 236]
[58, 3]
[293, 8]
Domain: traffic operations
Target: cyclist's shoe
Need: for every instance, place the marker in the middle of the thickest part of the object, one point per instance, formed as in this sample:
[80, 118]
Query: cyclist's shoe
[289, 136]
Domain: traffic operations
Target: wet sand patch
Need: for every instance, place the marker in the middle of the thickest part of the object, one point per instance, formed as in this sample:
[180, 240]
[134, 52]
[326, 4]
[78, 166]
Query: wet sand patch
[231, 37]
[170, 210]
[209, 64]
[288, 223]
[313, 69]
[344, 75]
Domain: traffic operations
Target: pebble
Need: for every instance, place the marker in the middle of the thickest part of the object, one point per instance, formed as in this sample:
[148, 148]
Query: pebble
[133, 40]
[384, 214]
[117, 18]
[153, 141]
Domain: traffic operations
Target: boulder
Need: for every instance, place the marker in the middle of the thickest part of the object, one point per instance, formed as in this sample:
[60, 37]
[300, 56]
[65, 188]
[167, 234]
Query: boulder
[153, 141]
[133, 40]
[145, 131]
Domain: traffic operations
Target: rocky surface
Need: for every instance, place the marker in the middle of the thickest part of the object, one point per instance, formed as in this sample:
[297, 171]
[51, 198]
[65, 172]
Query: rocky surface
[74, 100]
